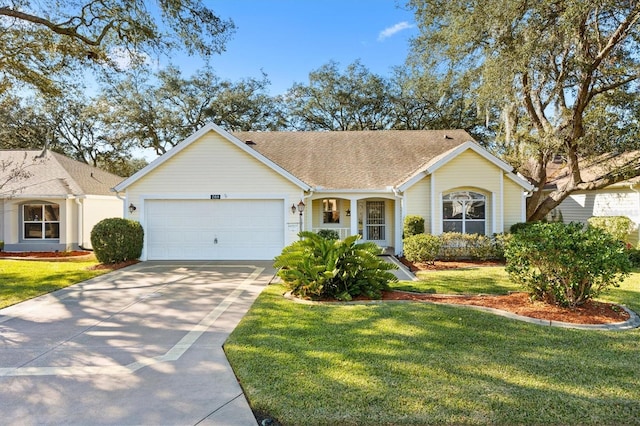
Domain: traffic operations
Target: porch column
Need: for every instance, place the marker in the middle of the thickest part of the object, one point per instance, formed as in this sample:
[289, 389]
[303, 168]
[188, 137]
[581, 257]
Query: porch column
[354, 216]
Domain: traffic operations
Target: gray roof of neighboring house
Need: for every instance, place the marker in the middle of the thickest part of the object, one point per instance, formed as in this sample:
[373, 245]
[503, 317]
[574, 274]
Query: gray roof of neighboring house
[53, 174]
[354, 159]
[593, 168]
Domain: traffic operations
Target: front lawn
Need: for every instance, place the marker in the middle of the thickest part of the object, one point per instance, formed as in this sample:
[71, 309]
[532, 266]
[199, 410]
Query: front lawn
[24, 279]
[418, 363]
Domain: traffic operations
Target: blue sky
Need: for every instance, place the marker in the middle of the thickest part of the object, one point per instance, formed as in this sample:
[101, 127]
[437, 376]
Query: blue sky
[290, 38]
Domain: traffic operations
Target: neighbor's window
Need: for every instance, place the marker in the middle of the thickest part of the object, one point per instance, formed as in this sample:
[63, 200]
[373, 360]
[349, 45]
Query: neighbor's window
[41, 221]
[464, 212]
[330, 211]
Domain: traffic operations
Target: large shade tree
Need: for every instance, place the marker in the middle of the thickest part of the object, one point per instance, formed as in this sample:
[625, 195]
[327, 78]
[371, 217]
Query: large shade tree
[40, 40]
[355, 99]
[563, 73]
[156, 112]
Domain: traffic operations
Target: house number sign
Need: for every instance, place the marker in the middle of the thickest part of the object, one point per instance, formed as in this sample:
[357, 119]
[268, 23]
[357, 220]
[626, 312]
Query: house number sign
[215, 196]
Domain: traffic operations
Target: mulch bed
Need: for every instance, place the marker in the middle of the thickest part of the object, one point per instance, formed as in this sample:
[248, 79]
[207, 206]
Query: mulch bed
[44, 254]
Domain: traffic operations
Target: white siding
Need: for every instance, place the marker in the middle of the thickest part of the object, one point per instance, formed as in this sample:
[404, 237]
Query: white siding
[580, 206]
[213, 166]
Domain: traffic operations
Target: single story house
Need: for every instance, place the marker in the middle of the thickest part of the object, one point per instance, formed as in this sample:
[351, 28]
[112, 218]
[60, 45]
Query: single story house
[51, 202]
[219, 195]
[619, 199]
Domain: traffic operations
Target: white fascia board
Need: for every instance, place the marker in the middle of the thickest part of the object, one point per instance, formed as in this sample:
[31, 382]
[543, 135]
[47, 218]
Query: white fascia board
[209, 127]
[417, 177]
[353, 191]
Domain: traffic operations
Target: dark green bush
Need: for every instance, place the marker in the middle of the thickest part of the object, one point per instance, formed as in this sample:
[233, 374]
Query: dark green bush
[117, 240]
[634, 257]
[516, 227]
[421, 248]
[318, 268]
[620, 227]
[565, 264]
[413, 225]
[329, 234]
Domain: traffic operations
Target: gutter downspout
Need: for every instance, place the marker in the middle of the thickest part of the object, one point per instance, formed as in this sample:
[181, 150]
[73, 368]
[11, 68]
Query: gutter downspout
[80, 223]
[399, 249]
[124, 201]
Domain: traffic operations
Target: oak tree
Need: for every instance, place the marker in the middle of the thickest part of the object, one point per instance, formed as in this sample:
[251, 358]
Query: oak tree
[563, 73]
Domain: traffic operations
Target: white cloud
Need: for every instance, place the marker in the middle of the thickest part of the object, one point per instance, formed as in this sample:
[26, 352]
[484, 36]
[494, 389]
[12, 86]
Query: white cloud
[390, 31]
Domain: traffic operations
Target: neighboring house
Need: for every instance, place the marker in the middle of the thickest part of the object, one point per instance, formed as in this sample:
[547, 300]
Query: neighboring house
[620, 199]
[54, 203]
[218, 195]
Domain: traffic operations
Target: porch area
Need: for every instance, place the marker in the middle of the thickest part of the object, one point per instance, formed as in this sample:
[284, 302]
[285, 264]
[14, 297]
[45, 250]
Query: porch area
[373, 218]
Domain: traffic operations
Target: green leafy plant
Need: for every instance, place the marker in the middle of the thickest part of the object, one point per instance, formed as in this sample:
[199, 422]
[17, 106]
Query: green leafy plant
[421, 248]
[329, 234]
[620, 227]
[117, 240]
[566, 264]
[413, 225]
[315, 267]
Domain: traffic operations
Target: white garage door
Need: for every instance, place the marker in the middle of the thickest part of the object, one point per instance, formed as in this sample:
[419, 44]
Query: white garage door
[214, 229]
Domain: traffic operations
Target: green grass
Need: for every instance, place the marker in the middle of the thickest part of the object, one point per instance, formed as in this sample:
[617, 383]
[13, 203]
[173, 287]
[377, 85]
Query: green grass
[487, 280]
[418, 363]
[23, 279]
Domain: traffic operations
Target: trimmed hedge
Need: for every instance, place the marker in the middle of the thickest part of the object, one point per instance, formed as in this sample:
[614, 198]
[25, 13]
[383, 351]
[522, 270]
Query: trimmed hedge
[453, 246]
[117, 240]
[413, 225]
[422, 248]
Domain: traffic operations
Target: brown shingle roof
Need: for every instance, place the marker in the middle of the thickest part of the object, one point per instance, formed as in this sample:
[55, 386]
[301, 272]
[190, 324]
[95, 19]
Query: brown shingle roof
[54, 174]
[354, 160]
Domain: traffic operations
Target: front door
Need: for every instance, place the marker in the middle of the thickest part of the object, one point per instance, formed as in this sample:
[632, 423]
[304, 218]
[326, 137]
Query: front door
[375, 226]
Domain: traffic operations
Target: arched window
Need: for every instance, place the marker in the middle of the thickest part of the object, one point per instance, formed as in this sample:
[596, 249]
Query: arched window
[464, 212]
[41, 221]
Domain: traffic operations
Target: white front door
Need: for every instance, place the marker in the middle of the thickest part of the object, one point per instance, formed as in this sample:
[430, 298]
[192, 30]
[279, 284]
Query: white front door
[375, 228]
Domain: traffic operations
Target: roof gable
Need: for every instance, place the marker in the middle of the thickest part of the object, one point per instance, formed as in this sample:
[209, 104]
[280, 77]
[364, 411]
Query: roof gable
[53, 174]
[210, 127]
[437, 162]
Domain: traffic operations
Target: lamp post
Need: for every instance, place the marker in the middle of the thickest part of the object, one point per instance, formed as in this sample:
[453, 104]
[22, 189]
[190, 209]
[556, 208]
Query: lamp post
[301, 210]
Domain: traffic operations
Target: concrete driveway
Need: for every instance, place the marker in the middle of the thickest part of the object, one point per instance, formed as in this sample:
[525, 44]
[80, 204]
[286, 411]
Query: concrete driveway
[142, 345]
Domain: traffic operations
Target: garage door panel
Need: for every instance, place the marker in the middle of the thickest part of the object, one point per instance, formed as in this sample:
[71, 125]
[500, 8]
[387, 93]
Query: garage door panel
[214, 229]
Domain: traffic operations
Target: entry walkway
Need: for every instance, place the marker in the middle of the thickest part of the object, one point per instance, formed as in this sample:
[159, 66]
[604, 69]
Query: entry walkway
[142, 345]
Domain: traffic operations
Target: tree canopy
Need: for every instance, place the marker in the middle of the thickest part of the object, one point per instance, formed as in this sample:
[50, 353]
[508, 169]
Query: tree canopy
[563, 74]
[44, 40]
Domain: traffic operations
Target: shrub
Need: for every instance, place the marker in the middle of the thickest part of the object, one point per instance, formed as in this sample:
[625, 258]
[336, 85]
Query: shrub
[329, 234]
[456, 245]
[421, 248]
[317, 268]
[517, 227]
[618, 226]
[117, 240]
[634, 257]
[413, 225]
[565, 264]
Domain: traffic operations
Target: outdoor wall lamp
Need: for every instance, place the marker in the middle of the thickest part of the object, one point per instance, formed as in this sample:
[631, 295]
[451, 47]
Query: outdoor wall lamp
[348, 212]
[294, 209]
[132, 208]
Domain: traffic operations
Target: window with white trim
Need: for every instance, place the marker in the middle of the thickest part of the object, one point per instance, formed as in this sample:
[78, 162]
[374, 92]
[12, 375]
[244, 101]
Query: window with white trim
[330, 210]
[465, 212]
[41, 221]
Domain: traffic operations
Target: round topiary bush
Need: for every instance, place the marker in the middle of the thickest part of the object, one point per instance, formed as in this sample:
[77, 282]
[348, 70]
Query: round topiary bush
[413, 225]
[117, 240]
